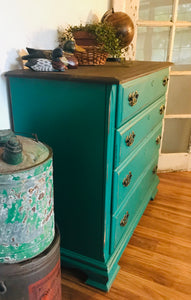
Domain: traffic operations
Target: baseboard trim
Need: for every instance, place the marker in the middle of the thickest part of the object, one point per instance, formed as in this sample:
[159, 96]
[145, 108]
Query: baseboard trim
[170, 162]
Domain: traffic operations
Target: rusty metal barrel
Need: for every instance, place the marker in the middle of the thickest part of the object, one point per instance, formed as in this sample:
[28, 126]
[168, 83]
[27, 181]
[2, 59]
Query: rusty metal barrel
[26, 198]
[36, 279]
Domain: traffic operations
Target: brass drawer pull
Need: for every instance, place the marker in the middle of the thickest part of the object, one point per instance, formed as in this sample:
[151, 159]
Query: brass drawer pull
[155, 169]
[124, 220]
[130, 139]
[158, 139]
[162, 109]
[127, 179]
[133, 98]
[165, 81]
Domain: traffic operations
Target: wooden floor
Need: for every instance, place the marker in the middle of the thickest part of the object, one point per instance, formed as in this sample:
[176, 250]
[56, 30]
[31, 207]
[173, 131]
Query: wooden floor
[156, 264]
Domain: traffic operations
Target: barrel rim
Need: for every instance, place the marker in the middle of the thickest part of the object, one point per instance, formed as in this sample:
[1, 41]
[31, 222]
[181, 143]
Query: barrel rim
[50, 155]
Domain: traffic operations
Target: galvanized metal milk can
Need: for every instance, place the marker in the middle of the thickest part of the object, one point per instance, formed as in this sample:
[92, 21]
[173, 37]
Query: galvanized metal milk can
[26, 197]
[38, 278]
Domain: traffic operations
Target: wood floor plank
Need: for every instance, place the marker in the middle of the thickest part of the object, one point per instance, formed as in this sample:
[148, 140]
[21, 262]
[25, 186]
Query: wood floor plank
[160, 213]
[182, 202]
[158, 268]
[169, 243]
[166, 226]
[156, 263]
[147, 289]
[168, 207]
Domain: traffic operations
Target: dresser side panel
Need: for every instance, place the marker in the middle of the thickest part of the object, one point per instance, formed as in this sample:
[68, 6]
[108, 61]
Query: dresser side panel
[71, 117]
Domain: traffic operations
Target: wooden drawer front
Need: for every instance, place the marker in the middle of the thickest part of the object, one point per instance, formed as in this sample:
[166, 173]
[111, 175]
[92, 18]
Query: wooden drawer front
[129, 171]
[143, 91]
[126, 218]
[135, 131]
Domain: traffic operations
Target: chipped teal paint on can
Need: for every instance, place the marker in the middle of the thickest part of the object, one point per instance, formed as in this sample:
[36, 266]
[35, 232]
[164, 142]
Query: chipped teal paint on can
[26, 204]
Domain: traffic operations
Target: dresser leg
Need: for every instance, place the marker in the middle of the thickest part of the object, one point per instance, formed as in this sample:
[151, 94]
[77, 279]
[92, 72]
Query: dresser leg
[154, 194]
[98, 274]
[103, 282]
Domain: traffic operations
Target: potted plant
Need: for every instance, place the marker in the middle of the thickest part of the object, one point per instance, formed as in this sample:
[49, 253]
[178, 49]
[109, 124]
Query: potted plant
[97, 38]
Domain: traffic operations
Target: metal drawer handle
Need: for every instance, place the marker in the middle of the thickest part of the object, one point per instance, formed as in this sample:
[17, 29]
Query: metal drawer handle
[165, 81]
[133, 98]
[162, 109]
[3, 288]
[130, 139]
[155, 169]
[158, 139]
[127, 179]
[125, 219]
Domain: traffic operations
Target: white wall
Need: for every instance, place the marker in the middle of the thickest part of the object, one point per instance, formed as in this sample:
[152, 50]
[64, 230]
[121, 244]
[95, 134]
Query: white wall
[34, 23]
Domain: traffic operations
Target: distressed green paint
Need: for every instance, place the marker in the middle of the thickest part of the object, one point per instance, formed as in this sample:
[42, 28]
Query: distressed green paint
[149, 89]
[141, 125]
[26, 210]
[136, 164]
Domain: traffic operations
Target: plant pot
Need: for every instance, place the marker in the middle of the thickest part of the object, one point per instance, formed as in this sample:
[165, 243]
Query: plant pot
[84, 38]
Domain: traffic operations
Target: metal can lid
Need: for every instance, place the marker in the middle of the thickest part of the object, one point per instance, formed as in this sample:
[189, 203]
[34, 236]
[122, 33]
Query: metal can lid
[34, 153]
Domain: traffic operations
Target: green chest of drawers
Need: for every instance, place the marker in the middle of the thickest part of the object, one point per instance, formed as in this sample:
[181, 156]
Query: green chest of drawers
[104, 125]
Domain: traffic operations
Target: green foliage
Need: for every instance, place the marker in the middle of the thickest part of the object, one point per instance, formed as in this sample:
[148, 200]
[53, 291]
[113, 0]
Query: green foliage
[105, 35]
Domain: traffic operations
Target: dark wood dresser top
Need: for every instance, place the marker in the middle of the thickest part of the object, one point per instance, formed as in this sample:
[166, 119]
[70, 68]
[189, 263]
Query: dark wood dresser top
[112, 73]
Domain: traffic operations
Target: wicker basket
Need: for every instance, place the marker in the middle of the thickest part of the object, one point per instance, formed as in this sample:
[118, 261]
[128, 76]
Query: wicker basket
[93, 55]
